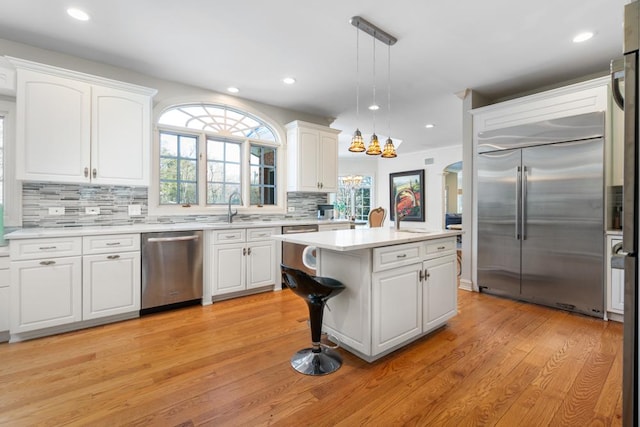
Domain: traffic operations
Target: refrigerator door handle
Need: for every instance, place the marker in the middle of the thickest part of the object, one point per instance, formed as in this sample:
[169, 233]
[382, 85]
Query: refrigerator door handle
[523, 219]
[518, 201]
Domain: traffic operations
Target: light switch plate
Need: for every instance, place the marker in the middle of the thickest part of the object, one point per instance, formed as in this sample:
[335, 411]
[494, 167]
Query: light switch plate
[92, 210]
[56, 211]
[135, 210]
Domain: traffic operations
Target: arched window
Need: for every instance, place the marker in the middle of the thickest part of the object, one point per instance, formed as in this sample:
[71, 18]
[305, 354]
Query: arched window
[208, 152]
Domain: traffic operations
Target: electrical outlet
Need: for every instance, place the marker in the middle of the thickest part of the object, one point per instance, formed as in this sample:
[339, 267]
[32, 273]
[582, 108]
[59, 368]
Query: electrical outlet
[135, 210]
[93, 210]
[291, 209]
[56, 211]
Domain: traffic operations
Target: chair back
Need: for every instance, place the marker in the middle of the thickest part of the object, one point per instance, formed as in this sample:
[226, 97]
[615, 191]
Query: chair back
[377, 216]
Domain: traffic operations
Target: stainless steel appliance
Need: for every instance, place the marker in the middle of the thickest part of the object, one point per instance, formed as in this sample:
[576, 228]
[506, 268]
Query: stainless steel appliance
[631, 214]
[171, 269]
[292, 253]
[325, 211]
[541, 213]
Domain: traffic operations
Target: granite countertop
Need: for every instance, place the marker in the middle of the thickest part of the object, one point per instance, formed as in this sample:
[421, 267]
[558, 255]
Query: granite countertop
[364, 238]
[31, 233]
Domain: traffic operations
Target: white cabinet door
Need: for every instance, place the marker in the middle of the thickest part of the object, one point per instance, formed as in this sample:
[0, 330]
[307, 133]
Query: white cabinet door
[397, 307]
[261, 264]
[440, 298]
[229, 270]
[53, 128]
[328, 168]
[4, 309]
[120, 137]
[617, 290]
[111, 284]
[308, 162]
[45, 293]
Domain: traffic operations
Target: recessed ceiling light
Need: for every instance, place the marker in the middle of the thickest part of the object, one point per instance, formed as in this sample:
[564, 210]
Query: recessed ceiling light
[374, 107]
[429, 125]
[78, 14]
[289, 80]
[582, 37]
[233, 89]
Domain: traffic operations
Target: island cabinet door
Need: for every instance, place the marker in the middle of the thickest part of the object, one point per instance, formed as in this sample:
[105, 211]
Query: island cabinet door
[397, 307]
[440, 298]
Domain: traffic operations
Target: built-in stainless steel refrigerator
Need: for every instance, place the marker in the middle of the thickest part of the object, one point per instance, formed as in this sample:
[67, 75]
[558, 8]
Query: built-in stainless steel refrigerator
[631, 212]
[541, 213]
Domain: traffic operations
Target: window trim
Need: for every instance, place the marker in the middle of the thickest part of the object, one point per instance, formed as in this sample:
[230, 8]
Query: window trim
[12, 187]
[154, 207]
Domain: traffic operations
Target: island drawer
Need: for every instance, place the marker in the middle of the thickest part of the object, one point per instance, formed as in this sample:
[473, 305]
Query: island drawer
[256, 234]
[44, 248]
[110, 243]
[229, 236]
[440, 247]
[396, 256]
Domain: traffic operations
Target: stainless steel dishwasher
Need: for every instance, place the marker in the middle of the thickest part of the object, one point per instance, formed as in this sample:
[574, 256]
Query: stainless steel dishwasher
[171, 269]
[291, 252]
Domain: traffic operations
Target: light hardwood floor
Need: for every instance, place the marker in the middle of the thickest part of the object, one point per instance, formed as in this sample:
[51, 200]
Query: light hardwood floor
[498, 362]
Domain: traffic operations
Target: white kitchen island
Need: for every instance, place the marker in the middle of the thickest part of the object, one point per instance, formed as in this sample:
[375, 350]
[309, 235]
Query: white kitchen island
[400, 285]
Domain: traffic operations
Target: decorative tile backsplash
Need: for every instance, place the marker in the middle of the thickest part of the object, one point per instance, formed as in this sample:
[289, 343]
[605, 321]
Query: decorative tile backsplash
[114, 201]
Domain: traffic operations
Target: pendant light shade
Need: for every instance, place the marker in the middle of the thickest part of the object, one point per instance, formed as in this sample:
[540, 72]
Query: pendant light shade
[374, 146]
[389, 150]
[357, 143]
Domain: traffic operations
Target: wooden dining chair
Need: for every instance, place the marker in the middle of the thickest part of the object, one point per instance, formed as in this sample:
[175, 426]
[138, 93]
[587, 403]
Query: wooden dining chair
[376, 217]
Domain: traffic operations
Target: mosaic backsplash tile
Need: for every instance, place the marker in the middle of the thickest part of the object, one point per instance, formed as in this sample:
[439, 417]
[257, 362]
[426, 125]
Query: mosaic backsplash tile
[114, 201]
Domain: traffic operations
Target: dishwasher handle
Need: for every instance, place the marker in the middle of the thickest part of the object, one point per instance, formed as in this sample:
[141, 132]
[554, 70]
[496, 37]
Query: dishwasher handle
[171, 239]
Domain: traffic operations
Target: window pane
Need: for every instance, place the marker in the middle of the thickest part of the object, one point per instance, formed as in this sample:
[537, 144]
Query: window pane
[269, 157]
[215, 194]
[168, 193]
[188, 147]
[188, 192]
[215, 171]
[168, 144]
[168, 169]
[188, 170]
[233, 152]
[255, 175]
[255, 196]
[232, 173]
[215, 150]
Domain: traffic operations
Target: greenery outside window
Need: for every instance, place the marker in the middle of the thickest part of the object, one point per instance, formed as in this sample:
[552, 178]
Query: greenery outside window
[206, 152]
[354, 200]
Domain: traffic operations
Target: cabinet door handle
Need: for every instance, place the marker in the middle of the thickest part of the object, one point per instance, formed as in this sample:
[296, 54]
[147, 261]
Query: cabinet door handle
[249, 251]
[421, 276]
[113, 256]
[426, 274]
[47, 262]
[46, 248]
[244, 251]
[95, 172]
[86, 172]
[321, 185]
[401, 256]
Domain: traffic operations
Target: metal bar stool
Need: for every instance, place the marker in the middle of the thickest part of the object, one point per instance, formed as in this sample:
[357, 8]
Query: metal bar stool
[320, 359]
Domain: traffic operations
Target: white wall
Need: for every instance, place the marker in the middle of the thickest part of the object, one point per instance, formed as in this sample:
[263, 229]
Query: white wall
[434, 177]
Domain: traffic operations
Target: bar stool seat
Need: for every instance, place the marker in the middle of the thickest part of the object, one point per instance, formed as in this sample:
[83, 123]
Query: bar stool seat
[319, 359]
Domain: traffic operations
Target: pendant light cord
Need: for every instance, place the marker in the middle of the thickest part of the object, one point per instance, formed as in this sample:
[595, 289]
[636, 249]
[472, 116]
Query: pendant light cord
[357, 75]
[389, 93]
[374, 83]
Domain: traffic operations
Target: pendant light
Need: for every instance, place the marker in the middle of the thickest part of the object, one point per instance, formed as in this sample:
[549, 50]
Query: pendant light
[389, 150]
[357, 143]
[374, 144]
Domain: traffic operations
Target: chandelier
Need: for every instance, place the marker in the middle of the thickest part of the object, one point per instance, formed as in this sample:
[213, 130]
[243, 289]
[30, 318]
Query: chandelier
[357, 142]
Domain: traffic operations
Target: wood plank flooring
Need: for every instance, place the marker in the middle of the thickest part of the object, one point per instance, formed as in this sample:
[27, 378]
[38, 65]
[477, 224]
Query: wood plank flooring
[499, 362]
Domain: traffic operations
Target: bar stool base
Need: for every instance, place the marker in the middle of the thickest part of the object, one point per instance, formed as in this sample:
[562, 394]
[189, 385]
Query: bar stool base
[309, 363]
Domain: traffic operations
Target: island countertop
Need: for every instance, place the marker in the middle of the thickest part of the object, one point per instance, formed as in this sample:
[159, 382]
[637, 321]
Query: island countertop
[364, 238]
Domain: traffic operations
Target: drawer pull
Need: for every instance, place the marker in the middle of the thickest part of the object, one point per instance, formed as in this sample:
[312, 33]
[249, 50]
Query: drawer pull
[401, 256]
[113, 243]
[47, 262]
[113, 257]
[46, 248]
[229, 236]
[262, 235]
[441, 248]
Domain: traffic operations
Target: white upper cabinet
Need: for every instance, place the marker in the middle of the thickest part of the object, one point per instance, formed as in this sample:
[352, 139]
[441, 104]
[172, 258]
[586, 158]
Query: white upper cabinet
[76, 128]
[312, 152]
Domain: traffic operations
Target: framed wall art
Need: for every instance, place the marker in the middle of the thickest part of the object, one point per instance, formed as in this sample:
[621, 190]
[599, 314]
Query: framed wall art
[406, 193]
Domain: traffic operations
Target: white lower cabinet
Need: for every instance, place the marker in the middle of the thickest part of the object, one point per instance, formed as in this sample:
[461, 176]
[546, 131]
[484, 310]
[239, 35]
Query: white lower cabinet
[54, 285]
[110, 275]
[45, 293]
[4, 296]
[243, 259]
[615, 282]
[439, 293]
[397, 301]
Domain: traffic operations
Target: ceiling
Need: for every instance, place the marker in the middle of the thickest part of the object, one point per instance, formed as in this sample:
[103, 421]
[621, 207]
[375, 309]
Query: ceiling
[495, 47]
